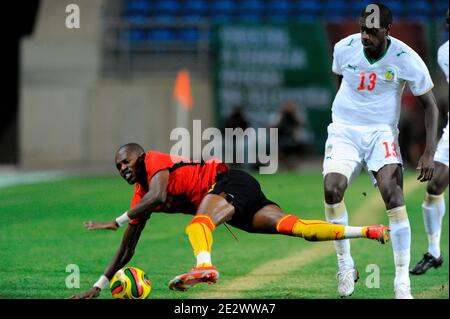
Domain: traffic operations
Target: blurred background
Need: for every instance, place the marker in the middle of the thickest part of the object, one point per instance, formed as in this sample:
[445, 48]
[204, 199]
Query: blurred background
[75, 94]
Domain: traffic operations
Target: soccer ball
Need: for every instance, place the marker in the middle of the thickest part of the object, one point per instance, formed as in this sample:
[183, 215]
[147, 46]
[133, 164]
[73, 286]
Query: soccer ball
[130, 283]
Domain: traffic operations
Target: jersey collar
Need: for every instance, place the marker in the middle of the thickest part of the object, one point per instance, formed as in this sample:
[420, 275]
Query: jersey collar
[384, 54]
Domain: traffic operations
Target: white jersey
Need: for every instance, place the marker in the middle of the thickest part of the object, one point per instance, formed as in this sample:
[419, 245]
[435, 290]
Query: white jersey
[443, 58]
[370, 92]
[442, 148]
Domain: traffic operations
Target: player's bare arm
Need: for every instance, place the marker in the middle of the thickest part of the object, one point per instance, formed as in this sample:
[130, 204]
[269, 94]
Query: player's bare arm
[426, 161]
[155, 196]
[339, 81]
[120, 259]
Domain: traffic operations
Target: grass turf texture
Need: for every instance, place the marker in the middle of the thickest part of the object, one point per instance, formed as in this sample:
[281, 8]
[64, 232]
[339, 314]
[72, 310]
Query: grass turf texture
[41, 232]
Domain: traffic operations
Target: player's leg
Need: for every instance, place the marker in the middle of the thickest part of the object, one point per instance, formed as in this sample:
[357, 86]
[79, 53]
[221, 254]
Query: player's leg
[335, 185]
[390, 183]
[213, 211]
[433, 209]
[342, 162]
[272, 220]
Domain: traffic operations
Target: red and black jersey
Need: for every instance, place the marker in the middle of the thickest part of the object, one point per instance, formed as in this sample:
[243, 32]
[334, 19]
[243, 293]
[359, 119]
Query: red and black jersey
[189, 181]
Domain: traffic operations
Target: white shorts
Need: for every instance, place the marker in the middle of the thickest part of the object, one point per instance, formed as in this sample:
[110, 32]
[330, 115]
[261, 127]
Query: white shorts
[349, 148]
[441, 154]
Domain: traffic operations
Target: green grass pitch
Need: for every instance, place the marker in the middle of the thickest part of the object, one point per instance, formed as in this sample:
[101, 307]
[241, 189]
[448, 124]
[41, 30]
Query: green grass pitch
[41, 232]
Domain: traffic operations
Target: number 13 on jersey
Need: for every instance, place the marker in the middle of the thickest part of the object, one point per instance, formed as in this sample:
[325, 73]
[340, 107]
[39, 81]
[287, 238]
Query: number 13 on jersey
[372, 81]
[392, 151]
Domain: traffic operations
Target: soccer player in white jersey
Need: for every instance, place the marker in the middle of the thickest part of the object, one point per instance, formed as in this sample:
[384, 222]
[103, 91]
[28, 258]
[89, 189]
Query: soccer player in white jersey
[373, 69]
[433, 206]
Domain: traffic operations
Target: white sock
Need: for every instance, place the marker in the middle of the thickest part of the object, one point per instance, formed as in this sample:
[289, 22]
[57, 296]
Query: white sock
[401, 243]
[342, 247]
[401, 260]
[433, 210]
[353, 232]
[204, 257]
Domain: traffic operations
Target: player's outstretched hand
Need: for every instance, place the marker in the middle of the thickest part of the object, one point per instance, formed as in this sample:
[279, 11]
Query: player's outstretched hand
[426, 166]
[94, 292]
[90, 225]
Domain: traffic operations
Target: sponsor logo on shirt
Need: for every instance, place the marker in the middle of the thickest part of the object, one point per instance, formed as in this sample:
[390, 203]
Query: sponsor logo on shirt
[400, 53]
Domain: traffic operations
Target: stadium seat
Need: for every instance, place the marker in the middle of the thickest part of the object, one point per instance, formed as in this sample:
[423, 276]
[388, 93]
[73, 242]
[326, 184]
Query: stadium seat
[222, 7]
[303, 17]
[250, 5]
[136, 6]
[335, 8]
[440, 8]
[187, 34]
[218, 17]
[277, 17]
[278, 6]
[159, 35]
[135, 35]
[305, 10]
[166, 6]
[306, 6]
[192, 17]
[249, 17]
[397, 8]
[418, 10]
[195, 6]
[336, 5]
[163, 17]
[136, 18]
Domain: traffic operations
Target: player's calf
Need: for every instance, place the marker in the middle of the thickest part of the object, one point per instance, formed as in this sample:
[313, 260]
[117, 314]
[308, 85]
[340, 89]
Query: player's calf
[317, 230]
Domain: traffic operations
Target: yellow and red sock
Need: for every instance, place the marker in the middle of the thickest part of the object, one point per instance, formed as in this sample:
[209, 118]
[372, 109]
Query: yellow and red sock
[312, 230]
[199, 232]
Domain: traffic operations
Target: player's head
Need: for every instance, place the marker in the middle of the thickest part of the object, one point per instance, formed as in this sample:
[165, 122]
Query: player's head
[129, 161]
[375, 23]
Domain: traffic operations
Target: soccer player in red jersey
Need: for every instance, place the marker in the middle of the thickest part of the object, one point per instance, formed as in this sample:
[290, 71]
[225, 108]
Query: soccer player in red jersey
[214, 194]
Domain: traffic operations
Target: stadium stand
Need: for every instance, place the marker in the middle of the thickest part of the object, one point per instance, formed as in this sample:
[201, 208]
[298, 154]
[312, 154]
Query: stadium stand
[186, 25]
[137, 12]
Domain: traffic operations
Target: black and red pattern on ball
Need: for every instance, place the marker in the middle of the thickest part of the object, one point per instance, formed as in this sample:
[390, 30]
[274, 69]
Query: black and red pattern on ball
[116, 288]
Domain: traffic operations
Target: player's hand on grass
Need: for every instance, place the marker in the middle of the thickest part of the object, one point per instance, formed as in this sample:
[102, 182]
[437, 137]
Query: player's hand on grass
[90, 225]
[426, 167]
[94, 292]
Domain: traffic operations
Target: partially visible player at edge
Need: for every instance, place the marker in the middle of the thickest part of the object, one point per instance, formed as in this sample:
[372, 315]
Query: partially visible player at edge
[433, 206]
[373, 68]
[214, 194]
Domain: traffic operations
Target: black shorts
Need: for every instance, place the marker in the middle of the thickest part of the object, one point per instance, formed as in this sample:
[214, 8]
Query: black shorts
[244, 193]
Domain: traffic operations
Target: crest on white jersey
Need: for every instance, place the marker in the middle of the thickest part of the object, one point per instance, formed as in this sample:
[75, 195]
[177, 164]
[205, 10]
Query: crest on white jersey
[390, 75]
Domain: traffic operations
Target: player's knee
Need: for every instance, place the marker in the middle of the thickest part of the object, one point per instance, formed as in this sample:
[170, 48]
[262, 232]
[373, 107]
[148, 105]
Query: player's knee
[200, 220]
[435, 188]
[334, 191]
[286, 224]
[393, 197]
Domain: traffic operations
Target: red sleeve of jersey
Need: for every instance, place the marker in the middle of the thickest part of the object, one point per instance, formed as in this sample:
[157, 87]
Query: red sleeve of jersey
[139, 192]
[155, 161]
[137, 196]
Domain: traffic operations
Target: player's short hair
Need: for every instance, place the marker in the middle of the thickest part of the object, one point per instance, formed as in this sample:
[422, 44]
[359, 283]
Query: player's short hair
[133, 147]
[385, 14]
